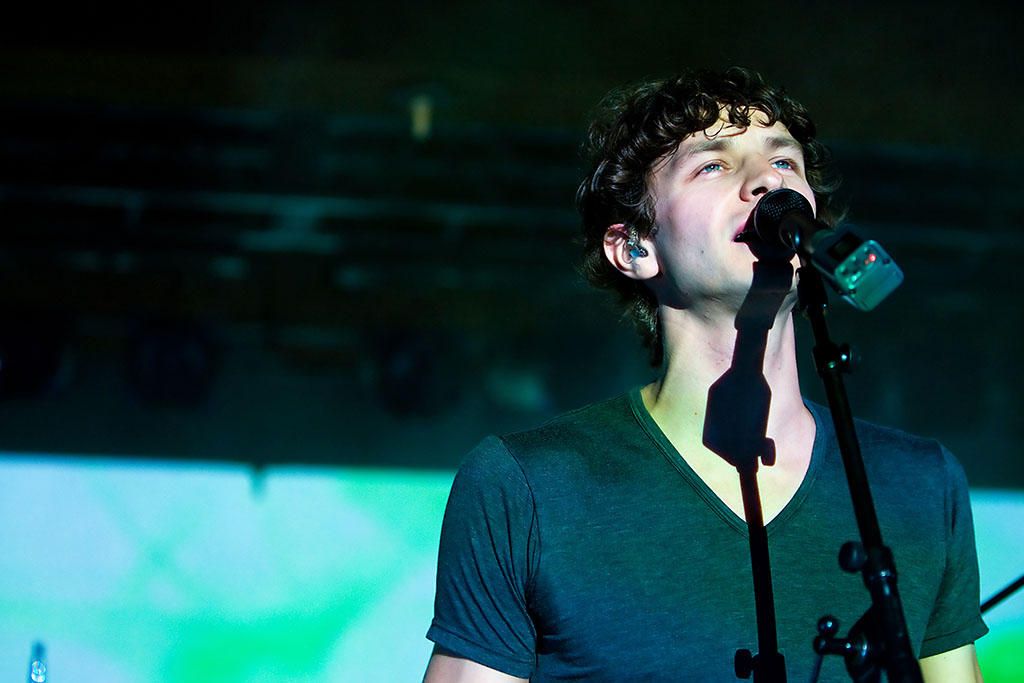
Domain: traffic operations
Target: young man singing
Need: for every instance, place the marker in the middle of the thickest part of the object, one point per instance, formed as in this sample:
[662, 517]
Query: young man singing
[611, 544]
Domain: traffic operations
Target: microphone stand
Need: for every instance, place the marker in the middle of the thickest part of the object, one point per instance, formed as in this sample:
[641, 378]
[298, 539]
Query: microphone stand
[768, 665]
[1003, 594]
[735, 428]
[879, 639]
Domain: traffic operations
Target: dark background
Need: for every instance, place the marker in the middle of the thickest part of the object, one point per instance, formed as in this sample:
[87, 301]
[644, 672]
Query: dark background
[342, 233]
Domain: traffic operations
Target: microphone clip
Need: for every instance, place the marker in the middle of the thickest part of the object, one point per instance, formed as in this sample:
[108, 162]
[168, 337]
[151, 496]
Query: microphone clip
[859, 269]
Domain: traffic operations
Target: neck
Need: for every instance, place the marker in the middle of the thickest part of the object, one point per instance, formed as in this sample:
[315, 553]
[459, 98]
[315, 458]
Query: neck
[729, 383]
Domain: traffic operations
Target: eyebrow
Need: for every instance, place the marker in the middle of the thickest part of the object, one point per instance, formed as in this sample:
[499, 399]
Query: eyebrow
[719, 144]
[715, 144]
[777, 142]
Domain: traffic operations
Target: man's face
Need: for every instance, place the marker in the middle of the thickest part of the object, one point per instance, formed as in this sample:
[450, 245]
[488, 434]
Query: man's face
[704, 194]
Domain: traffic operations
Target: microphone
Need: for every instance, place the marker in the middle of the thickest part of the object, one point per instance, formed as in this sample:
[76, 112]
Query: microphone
[859, 269]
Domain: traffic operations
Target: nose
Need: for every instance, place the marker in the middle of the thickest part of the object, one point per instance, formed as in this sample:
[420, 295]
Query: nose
[761, 179]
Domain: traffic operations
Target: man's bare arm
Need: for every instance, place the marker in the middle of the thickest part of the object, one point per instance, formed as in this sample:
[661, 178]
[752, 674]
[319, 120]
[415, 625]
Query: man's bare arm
[447, 667]
[956, 666]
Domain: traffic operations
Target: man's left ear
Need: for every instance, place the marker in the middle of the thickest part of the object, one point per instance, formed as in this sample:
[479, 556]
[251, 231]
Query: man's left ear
[630, 254]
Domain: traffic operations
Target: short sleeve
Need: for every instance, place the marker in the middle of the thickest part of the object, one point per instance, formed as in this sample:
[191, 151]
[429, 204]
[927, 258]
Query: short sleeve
[956, 617]
[488, 551]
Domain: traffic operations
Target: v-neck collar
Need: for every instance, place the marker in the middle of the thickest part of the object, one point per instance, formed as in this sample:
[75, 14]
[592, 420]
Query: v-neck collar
[648, 424]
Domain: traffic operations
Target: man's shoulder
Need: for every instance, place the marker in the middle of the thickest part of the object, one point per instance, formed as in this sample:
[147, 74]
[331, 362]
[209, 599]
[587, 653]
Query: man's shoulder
[596, 421]
[874, 435]
[889, 449]
[555, 452]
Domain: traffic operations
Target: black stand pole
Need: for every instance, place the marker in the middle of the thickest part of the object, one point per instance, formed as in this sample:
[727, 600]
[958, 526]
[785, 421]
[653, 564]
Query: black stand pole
[879, 640]
[1003, 594]
[768, 665]
[735, 428]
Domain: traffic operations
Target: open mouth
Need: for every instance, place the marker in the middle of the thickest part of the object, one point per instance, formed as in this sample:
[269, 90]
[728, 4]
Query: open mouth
[745, 232]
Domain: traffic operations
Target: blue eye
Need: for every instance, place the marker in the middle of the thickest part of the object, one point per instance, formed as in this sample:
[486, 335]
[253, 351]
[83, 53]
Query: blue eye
[713, 166]
[783, 163]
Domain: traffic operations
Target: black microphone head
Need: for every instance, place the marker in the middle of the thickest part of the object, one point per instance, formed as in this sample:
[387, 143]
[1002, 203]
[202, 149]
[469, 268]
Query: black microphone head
[772, 207]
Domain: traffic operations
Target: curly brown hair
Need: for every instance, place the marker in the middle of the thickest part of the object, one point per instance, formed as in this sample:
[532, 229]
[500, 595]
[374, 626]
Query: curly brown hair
[634, 128]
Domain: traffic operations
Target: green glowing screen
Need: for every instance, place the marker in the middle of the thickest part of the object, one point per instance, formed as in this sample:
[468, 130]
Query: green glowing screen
[133, 573]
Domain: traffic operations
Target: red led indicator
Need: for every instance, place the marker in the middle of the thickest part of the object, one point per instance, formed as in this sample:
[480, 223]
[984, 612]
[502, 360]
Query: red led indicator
[871, 258]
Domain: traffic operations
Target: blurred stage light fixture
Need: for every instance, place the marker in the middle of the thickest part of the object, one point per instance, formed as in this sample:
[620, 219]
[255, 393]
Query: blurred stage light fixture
[418, 373]
[35, 358]
[172, 363]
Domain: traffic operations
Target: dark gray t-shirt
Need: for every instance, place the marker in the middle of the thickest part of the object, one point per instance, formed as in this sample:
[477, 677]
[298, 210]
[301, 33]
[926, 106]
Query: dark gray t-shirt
[587, 550]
